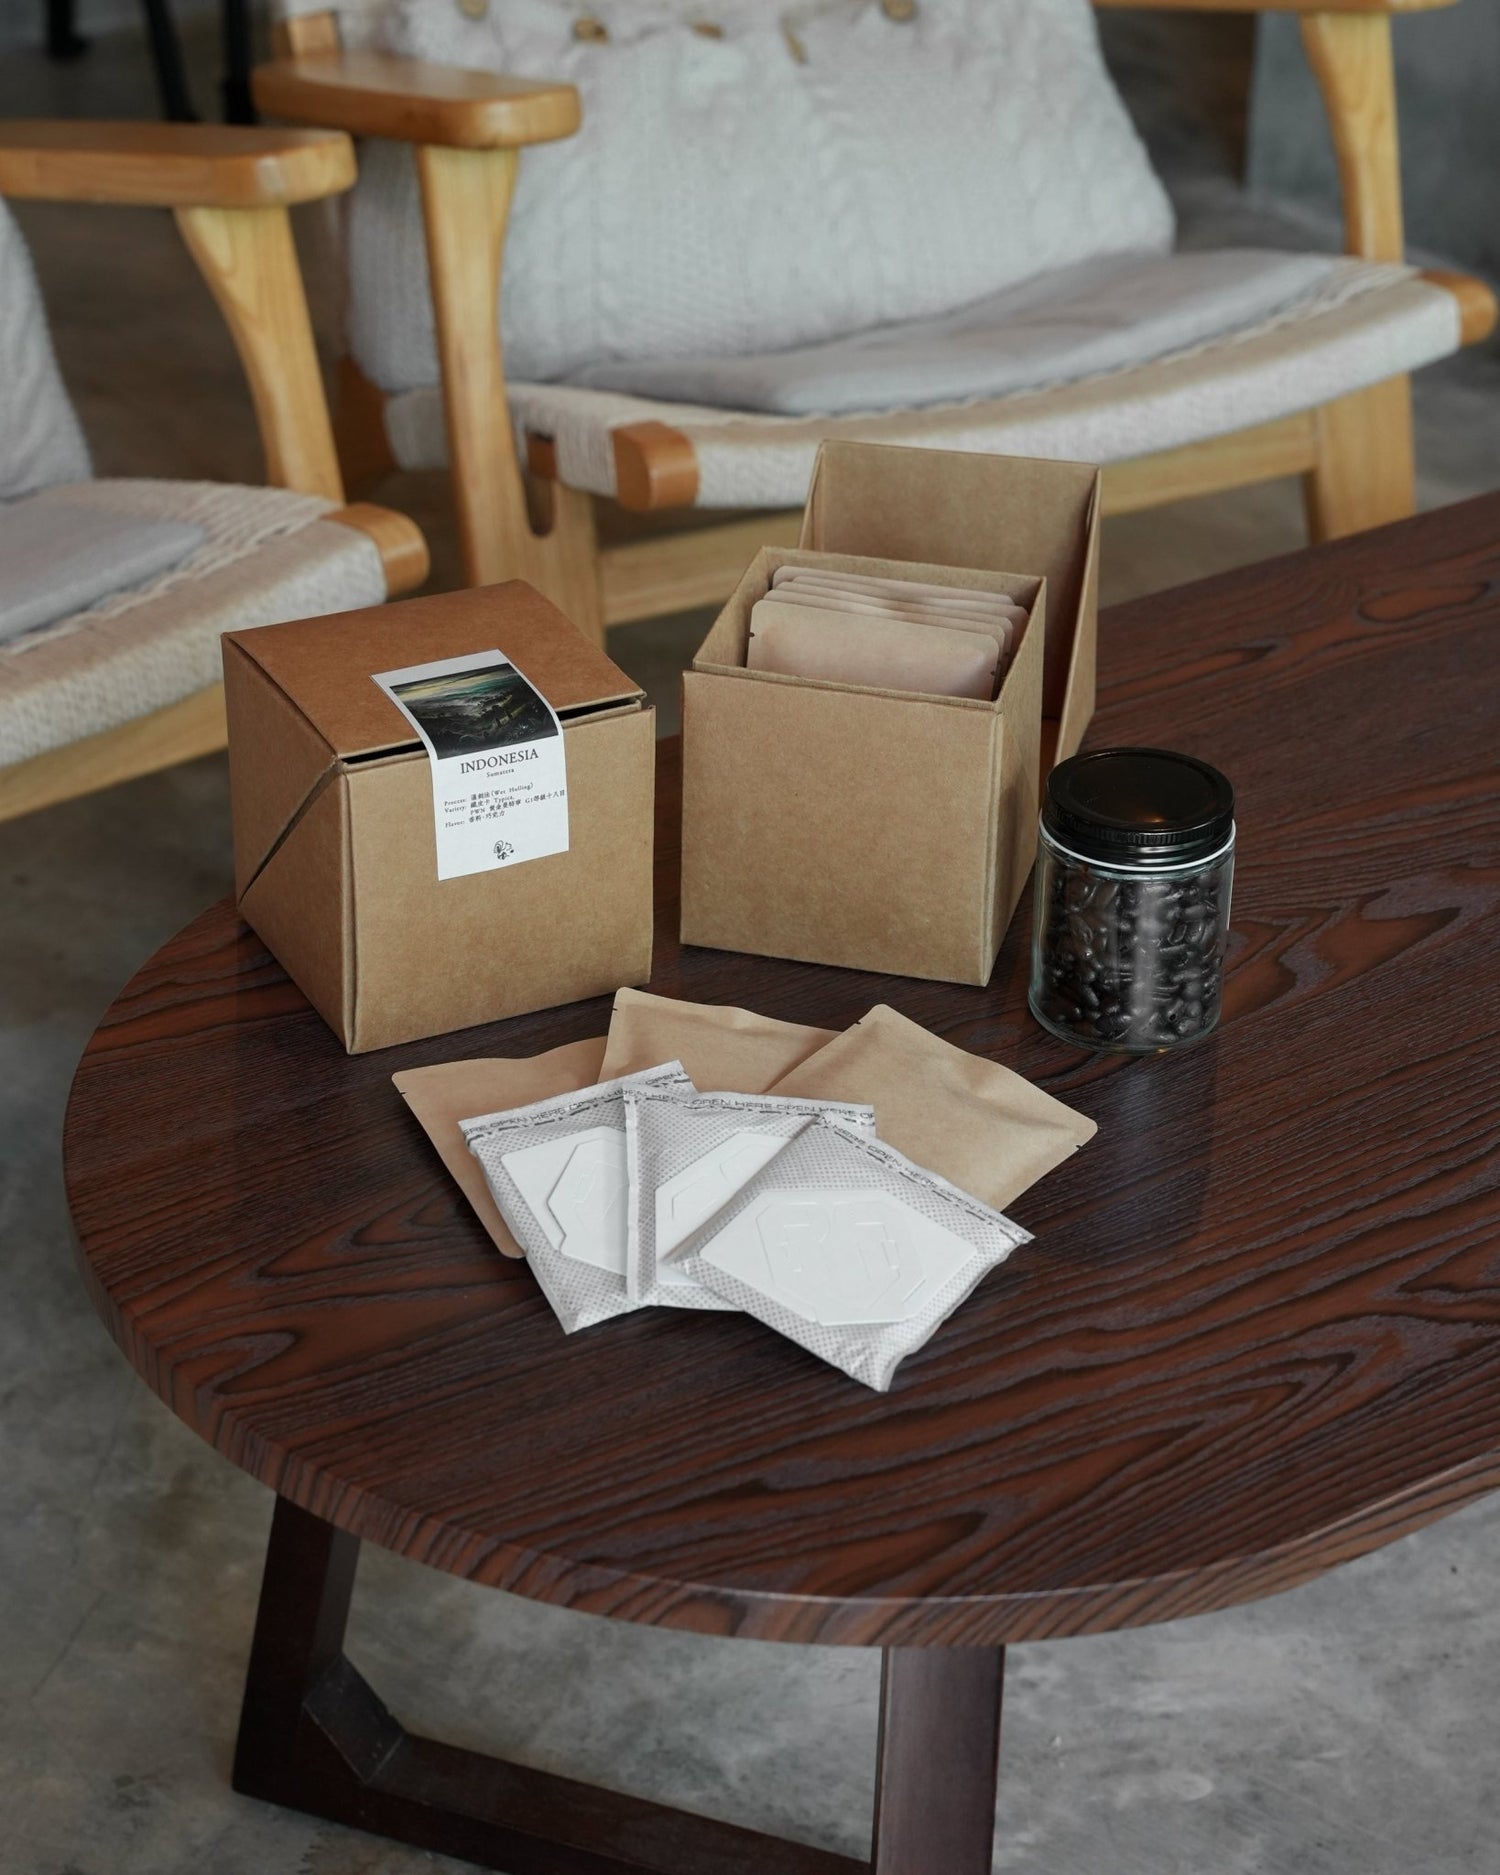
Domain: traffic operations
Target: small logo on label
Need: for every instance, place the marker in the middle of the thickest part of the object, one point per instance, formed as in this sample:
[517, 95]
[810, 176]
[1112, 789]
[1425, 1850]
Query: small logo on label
[503, 849]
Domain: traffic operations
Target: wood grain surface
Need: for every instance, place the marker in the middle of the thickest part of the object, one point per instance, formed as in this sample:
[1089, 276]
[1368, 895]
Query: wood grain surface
[171, 165]
[1258, 1331]
[372, 94]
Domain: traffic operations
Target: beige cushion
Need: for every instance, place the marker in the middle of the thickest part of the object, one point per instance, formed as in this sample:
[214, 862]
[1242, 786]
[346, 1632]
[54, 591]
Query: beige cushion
[59, 557]
[1359, 324]
[1100, 316]
[267, 556]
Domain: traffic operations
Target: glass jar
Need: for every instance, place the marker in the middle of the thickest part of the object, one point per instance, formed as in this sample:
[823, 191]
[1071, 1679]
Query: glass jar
[1133, 877]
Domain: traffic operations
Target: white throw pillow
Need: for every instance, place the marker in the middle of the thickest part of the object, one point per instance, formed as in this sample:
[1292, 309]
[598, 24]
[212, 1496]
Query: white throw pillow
[726, 196]
[40, 441]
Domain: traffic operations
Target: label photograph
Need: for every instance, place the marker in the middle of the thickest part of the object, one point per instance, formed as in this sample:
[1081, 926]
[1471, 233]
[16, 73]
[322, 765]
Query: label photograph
[499, 775]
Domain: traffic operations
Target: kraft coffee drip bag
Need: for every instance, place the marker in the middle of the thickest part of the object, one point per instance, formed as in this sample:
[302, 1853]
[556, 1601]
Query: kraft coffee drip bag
[722, 1049]
[852, 1208]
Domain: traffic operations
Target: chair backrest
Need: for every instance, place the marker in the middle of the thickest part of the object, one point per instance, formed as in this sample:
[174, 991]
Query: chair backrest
[358, 20]
[361, 22]
[762, 189]
[40, 441]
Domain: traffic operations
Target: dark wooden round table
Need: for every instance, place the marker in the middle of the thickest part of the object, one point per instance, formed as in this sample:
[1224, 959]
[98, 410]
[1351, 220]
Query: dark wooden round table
[1258, 1332]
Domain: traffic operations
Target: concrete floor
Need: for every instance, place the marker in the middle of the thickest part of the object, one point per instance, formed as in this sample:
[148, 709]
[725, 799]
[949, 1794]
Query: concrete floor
[1344, 1729]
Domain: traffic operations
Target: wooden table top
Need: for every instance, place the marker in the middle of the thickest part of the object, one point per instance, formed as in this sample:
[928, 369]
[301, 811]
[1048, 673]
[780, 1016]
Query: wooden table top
[1258, 1331]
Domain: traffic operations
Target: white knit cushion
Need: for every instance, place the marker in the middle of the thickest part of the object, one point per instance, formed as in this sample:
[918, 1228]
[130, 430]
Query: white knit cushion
[267, 556]
[723, 197]
[358, 20]
[40, 441]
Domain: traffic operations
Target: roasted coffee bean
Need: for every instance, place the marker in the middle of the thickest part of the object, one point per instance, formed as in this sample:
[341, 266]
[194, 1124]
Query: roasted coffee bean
[1130, 963]
[1132, 899]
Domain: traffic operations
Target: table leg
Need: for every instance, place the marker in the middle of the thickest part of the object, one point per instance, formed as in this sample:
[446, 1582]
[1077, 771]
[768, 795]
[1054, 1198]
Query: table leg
[166, 56]
[939, 1760]
[63, 41]
[315, 1737]
[239, 59]
[299, 1638]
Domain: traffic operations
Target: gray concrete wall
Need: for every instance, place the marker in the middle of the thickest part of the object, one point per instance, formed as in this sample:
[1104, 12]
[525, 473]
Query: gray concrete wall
[1448, 97]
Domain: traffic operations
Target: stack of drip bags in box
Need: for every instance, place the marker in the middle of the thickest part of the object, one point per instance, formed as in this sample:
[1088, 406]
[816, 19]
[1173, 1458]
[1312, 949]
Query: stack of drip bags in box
[844, 1189]
[818, 622]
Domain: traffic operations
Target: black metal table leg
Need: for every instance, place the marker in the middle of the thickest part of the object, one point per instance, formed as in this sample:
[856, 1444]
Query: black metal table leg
[236, 30]
[939, 1760]
[63, 38]
[166, 57]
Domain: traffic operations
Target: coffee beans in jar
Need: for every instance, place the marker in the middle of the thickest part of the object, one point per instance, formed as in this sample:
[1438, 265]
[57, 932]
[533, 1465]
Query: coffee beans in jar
[1134, 869]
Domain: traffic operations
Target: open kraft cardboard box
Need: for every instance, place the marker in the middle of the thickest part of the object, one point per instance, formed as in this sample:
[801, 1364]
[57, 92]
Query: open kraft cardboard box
[843, 824]
[334, 844]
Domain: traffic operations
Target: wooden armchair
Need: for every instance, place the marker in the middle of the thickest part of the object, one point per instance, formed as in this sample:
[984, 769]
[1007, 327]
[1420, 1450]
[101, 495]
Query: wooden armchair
[1324, 395]
[130, 683]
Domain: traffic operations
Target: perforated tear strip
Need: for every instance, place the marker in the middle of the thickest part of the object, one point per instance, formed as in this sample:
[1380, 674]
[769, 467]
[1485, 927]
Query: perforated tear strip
[557, 1171]
[687, 1155]
[849, 1249]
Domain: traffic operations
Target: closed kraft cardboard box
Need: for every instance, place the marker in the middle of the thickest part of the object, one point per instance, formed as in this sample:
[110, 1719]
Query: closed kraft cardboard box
[334, 842]
[846, 825]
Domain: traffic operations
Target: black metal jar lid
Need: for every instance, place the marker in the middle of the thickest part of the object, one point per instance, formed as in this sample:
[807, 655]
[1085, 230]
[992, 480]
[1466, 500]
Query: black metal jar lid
[1138, 807]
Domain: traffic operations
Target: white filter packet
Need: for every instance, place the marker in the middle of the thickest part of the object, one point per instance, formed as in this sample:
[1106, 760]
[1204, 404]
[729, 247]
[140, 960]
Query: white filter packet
[687, 1155]
[557, 1172]
[849, 1249]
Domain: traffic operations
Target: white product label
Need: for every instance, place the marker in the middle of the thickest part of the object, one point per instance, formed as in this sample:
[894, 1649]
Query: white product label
[499, 775]
[706, 1186]
[577, 1189]
[839, 1257]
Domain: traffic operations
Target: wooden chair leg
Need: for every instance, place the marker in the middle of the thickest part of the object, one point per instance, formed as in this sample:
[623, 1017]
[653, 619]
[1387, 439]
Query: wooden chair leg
[359, 434]
[566, 550]
[465, 204]
[1364, 474]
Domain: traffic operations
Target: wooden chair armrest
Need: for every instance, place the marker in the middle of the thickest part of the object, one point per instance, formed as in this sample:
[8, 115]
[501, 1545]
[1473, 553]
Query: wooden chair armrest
[171, 165]
[398, 540]
[1282, 6]
[371, 94]
[1478, 309]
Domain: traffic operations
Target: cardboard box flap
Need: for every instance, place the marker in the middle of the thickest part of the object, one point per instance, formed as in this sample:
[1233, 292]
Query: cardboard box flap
[292, 763]
[298, 903]
[324, 666]
[999, 513]
[1073, 714]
